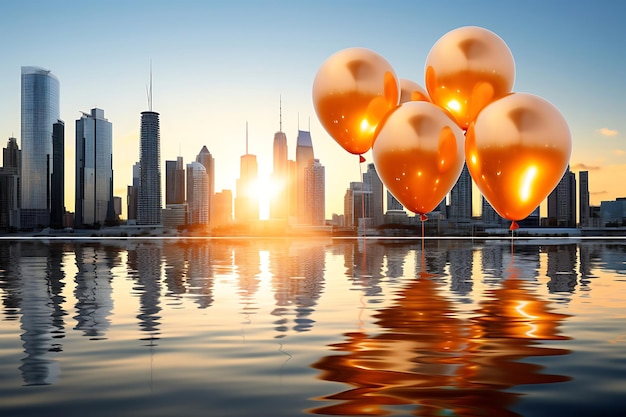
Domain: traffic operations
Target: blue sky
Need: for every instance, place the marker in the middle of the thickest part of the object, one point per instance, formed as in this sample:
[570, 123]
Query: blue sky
[217, 65]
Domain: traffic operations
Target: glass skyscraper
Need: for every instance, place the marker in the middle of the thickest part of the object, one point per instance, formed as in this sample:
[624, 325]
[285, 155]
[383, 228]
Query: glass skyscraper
[94, 169]
[149, 202]
[304, 158]
[39, 111]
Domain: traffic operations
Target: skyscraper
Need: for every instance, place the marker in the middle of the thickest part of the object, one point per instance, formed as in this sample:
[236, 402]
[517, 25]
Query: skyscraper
[206, 159]
[175, 181]
[393, 203]
[9, 186]
[304, 158]
[149, 202]
[461, 197]
[357, 205]
[57, 178]
[40, 110]
[132, 196]
[246, 201]
[372, 182]
[315, 192]
[197, 194]
[562, 202]
[94, 170]
[279, 204]
[584, 211]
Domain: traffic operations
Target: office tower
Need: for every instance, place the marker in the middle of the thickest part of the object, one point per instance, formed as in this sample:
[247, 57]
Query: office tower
[279, 206]
[562, 202]
[315, 193]
[206, 159]
[304, 158]
[488, 213]
[246, 200]
[584, 212]
[372, 182]
[9, 186]
[94, 170]
[40, 110]
[223, 208]
[461, 197]
[197, 194]
[175, 181]
[149, 202]
[357, 205]
[393, 203]
[132, 195]
[57, 178]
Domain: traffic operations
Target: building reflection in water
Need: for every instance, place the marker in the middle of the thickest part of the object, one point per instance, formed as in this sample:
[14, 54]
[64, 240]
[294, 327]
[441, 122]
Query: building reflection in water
[39, 277]
[144, 266]
[93, 289]
[297, 271]
[426, 359]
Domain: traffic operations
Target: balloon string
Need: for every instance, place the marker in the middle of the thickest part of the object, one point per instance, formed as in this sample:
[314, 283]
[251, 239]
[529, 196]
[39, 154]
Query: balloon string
[361, 160]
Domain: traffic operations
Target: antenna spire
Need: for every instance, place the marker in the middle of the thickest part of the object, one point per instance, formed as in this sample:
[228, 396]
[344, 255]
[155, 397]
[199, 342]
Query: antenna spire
[280, 106]
[149, 89]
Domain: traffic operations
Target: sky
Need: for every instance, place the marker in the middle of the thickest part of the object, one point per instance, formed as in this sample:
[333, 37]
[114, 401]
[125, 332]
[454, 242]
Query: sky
[221, 64]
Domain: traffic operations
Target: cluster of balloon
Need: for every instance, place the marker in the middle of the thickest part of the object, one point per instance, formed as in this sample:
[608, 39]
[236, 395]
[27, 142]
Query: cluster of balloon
[516, 145]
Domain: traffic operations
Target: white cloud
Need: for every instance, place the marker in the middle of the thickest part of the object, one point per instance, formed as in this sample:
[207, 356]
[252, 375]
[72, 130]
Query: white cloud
[605, 131]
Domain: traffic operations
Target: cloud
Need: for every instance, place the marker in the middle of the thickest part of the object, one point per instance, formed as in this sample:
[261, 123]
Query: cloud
[598, 192]
[582, 167]
[605, 131]
[618, 152]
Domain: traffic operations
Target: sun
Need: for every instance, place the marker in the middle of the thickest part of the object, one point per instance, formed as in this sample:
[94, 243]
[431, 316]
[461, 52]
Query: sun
[264, 189]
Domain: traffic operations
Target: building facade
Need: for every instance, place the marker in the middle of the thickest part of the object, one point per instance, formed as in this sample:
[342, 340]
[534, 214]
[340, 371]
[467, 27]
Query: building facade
[94, 170]
[197, 194]
[372, 182]
[315, 193]
[10, 186]
[207, 160]
[149, 196]
[584, 215]
[57, 178]
[562, 202]
[461, 197]
[174, 181]
[39, 111]
[246, 199]
[304, 158]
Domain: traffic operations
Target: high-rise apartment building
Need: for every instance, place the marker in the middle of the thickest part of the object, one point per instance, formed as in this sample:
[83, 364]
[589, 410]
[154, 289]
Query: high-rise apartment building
[357, 205]
[39, 111]
[206, 159]
[223, 208]
[304, 158]
[94, 170]
[149, 201]
[461, 197]
[132, 196]
[393, 203]
[57, 178]
[315, 193]
[372, 182]
[246, 200]
[584, 215]
[9, 186]
[197, 194]
[175, 181]
[562, 202]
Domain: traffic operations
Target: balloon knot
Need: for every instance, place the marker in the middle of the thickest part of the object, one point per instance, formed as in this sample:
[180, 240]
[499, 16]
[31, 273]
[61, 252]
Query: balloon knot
[423, 217]
[361, 159]
[514, 225]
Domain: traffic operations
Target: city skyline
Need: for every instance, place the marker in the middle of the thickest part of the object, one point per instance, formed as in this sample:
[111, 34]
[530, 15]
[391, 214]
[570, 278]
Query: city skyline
[217, 66]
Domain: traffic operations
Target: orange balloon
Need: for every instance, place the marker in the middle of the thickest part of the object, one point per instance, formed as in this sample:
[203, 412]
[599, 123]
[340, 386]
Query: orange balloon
[352, 92]
[466, 69]
[412, 91]
[517, 151]
[418, 153]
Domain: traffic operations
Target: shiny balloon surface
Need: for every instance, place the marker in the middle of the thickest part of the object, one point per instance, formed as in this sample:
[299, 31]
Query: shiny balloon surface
[466, 69]
[412, 91]
[418, 154]
[517, 151]
[352, 92]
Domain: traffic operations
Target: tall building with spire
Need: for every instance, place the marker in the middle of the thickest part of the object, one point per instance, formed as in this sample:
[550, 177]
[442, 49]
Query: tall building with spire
[246, 200]
[304, 158]
[279, 204]
[39, 110]
[149, 200]
[206, 159]
[94, 169]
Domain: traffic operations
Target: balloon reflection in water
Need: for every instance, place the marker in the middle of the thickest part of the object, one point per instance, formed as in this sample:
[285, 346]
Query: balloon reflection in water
[426, 356]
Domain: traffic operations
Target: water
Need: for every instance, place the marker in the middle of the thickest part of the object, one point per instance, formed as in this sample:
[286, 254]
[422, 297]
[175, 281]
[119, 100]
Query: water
[329, 327]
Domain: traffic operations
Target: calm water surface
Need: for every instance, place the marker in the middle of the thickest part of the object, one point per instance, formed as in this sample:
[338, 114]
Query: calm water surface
[324, 327]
